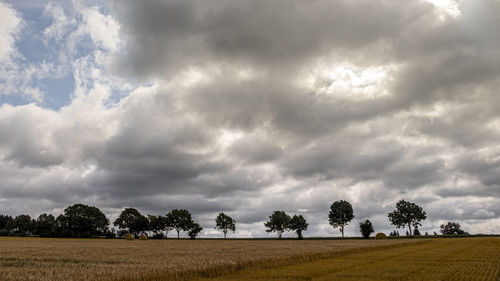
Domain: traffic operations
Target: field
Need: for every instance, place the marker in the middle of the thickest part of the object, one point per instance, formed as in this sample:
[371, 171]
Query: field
[96, 259]
[441, 259]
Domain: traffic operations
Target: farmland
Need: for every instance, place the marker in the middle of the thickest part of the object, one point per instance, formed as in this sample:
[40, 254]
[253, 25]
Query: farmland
[441, 259]
[101, 259]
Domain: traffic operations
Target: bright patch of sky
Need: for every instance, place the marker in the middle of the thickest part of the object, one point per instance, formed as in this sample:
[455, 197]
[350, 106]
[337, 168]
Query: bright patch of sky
[53, 49]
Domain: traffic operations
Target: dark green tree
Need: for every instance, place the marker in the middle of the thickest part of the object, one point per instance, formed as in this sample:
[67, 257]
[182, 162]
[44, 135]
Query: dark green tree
[4, 220]
[132, 220]
[179, 219]
[366, 228]
[193, 230]
[407, 214]
[81, 220]
[45, 225]
[340, 215]
[452, 228]
[279, 221]
[298, 224]
[225, 223]
[157, 224]
[21, 224]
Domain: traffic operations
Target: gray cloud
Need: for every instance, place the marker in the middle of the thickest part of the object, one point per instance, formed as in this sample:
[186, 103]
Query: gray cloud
[402, 104]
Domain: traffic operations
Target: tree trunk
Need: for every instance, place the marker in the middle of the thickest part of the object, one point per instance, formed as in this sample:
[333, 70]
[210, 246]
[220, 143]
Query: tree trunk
[342, 230]
[279, 234]
[409, 226]
[178, 234]
[225, 232]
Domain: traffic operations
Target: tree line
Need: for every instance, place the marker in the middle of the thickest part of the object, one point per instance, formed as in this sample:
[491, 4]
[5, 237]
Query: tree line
[81, 220]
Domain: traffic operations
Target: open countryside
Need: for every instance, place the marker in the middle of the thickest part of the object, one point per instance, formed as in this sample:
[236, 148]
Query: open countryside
[58, 259]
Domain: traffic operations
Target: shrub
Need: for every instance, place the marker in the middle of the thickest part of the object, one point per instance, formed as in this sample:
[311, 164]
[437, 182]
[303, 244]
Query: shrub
[380, 235]
[143, 237]
[129, 237]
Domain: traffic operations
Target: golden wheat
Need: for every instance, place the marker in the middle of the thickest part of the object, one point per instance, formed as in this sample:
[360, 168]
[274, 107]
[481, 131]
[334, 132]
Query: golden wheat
[107, 260]
[439, 259]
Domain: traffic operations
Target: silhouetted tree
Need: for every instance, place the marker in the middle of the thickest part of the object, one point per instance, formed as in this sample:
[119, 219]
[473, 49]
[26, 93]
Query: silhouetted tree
[452, 228]
[45, 225]
[298, 224]
[132, 220]
[225, 223]
[81, 220]
[21, 224]
[407, 214]
[340, 215]
[193, 230]
[180, 219]
[366, 228]
[157, 225]
[279, 221]
[4, 220]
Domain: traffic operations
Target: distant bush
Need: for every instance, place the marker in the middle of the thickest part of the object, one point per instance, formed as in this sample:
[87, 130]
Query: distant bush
[143, 237]
[380, 235]
[129, 237]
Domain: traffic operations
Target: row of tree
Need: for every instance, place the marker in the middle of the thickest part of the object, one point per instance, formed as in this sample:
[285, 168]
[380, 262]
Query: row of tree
[81, 220]
[406, 214]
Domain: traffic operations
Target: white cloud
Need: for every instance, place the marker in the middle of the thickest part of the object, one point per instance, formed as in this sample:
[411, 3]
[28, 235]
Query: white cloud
[10, 23]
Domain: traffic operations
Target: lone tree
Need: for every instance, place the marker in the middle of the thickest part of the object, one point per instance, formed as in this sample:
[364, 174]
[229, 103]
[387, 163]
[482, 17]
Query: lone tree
[366, 228]
[298, 224]
[452, 228]
[225, 223]
[407, 214]
[180, 219]
[132, 220]
[279, 221]
[194, 229]
[340, 215]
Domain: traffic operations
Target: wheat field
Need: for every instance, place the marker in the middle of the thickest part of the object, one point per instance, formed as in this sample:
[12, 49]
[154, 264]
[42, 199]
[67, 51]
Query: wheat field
[440, 259]
[105, 260]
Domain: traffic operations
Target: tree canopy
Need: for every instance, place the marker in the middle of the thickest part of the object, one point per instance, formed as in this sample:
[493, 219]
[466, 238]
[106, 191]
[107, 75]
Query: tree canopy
[81, 220]
[452, 228]
[340, 215]
[132, 220]
[225, 223]
[279, 221]
[298, 224]
[366, 228]
[194, 229]
[407, 214]
[180, 219]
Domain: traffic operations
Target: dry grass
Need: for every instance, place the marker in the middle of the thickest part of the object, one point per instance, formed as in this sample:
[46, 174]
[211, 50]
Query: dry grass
[106, 260]
[441, 259]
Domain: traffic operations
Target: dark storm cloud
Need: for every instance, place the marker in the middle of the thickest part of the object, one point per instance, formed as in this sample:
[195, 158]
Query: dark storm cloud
[165, 36]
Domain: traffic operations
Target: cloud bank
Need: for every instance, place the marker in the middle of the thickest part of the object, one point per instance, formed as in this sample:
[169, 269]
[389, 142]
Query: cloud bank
[249, 106]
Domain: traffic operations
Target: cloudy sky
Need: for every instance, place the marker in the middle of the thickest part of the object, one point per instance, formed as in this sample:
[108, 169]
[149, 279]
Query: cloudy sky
[247, 107]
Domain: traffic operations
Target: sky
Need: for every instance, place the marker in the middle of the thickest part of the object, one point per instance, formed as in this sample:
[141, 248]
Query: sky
[246, 107]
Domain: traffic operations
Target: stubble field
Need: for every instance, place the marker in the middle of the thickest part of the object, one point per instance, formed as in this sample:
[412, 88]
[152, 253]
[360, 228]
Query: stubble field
[105, 260]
